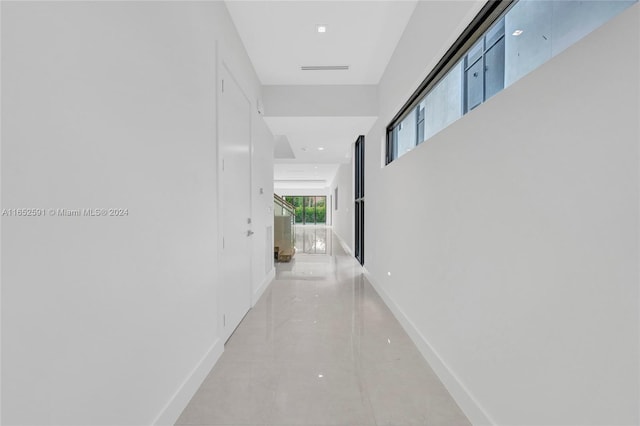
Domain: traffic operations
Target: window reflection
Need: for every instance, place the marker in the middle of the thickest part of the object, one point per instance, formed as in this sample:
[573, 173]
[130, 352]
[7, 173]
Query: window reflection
[406, 134]
[312, 240]
[526, 35]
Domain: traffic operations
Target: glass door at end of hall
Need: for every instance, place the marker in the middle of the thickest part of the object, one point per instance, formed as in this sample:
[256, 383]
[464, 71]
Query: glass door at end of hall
[309, 209]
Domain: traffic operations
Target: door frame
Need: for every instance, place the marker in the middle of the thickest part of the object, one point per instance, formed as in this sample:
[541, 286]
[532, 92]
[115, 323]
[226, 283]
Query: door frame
[222, 69]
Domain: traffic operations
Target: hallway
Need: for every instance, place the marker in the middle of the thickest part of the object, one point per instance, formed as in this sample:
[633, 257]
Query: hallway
[321, 348]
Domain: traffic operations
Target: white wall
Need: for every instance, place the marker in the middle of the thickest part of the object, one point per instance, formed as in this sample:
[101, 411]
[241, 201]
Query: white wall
[514, 254]
[321, 101]
[406, 69]
[112, 320]
[262, 207]
[343, 217]
[295, 191]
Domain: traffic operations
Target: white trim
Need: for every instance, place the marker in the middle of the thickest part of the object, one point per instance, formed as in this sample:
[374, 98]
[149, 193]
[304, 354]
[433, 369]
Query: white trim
[465, 400]
[179, 401]
[344, 245]
[260, 290]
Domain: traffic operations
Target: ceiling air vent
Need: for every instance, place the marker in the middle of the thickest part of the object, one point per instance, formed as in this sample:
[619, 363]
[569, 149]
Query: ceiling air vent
[325, 68]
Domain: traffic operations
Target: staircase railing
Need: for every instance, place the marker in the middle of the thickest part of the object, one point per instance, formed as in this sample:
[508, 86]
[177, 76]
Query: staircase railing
[284, 222]
[284, 205]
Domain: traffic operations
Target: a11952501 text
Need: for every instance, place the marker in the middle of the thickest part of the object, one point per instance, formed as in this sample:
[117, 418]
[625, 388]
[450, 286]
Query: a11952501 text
[59, 212]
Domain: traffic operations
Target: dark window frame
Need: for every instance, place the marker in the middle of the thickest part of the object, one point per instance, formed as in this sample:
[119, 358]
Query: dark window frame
[358, 157]
[488, 15]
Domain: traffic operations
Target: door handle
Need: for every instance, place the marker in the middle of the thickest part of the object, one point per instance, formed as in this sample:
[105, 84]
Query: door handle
[249, 233]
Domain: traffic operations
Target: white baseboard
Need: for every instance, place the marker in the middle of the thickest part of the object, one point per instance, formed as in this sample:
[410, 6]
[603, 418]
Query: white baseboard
[467, 403]
[170, 413]
[183, 395]
[263, 286]
[344, 245]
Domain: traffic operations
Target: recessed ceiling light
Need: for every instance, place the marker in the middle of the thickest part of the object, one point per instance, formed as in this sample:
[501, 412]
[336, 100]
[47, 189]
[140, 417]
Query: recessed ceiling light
[321, 28]
[320, 148]
[517, 32]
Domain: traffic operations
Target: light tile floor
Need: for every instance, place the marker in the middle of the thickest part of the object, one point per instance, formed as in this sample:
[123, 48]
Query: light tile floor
[321, 348]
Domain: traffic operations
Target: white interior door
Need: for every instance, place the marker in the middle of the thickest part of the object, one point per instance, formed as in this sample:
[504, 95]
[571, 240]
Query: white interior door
[235, 163]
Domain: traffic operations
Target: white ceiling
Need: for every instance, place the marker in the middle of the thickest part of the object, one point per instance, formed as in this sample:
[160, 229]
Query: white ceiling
[281, 36]
[304, 175]
[307, 134]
